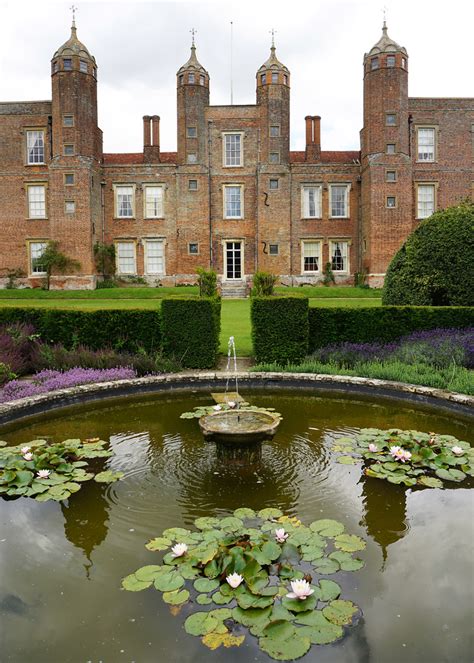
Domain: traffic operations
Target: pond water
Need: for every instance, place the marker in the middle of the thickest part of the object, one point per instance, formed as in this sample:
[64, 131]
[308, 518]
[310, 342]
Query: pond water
[61, 564]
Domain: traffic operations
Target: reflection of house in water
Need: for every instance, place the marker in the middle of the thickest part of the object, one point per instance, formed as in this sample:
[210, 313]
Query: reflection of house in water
[85, 519]
[384, 512]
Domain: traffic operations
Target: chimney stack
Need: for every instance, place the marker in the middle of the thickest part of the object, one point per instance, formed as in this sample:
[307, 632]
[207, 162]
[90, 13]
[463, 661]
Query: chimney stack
[151, 139]
[146, 131]
[313, 138]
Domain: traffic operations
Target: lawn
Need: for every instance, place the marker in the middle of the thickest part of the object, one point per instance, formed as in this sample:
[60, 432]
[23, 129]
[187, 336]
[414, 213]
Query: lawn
[235, 319]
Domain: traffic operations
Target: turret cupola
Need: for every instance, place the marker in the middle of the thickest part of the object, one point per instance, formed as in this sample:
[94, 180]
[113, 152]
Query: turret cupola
[385, 53]
[73, 56]
[273, 71]
[192, 72]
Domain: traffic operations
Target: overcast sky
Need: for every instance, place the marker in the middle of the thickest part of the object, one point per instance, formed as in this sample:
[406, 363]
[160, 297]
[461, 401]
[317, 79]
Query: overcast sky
[140, 45]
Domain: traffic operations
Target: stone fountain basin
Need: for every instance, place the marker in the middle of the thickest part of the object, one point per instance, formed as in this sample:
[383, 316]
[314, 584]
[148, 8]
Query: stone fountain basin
[239, 426]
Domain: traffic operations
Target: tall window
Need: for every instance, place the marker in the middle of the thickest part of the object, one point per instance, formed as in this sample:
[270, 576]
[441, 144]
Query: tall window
[274, 77]
[426, 144]
[36, 251]
[233, 149]
[126, 259]
[67, 64]
[339, 200]
[425, 200]
[83, 66]
[124, 203]
[233, 207]
[390, 60]
[311, 254]
[154, 256]
[339, 256]
[153, 202]
[37, 201]
[311, 198]
[374, 63]
[35, 146]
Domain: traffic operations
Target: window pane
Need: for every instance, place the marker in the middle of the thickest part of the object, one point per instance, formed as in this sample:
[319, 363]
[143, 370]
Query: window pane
[274, 77]
[191, 78]
[153, 201]
[273, 249]
[126, 257]
[339, 201]
[124, 201]
[274, 131]
[36, 251]
[70, 207]
[426, 144]
[35, 146]
[193, 185]
[154, 257]
[37, 202]
[311, 256]
[233, 202]
[312, 202]
[426, 198]
[273, 184]
[390, 60]
[67, 64]
[232, 149]
[83, 66]
[274, 157]
[193, 248]
[374, 63]
[339, 256]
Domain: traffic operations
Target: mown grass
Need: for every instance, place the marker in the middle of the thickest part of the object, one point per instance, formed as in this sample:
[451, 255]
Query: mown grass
[456, 378]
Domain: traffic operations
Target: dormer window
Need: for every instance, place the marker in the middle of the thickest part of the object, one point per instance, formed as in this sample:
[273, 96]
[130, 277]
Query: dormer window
[274, 77]
[67, 64]
[374, 63]
[390, 60]
[191, 78]
[263, 79]
[83, 66]
[202, 80]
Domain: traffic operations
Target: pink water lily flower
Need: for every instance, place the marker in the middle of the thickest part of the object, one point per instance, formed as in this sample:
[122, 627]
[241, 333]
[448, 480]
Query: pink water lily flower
[28, 455]
[457, 451]
[301, 590]
[217, 408]
[400, 454]
[373, 447]
[234, 580]
[179, 549]
[24, 450]
[231, 404]
[42, 474]
[280, 535]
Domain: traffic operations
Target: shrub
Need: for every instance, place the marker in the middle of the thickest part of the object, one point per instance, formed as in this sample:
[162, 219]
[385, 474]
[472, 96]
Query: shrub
[264, 284]
[104, 258]
[18, 348]
[279, 328]
[364, 325]
[432, 268]
[328, 275]
[52, 260]
[207, 282]
[191, 328]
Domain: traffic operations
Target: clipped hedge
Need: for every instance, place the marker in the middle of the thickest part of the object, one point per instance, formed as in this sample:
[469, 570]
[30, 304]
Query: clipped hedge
[120, 329]
[279, 328]
[191, 328]
[364, 325]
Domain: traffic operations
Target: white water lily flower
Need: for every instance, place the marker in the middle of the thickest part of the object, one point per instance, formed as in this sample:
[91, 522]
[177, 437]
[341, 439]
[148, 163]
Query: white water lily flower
[280, 535]
[405, 455]
[217, 408]
[231, 404]
[301, 590]
[24, 450]
[28, 455]
[457, 451]
[373, 447]
[179, 549]
[234, 580]
[43, 474]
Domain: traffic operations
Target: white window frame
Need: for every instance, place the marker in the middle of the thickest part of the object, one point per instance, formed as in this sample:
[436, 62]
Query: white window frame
[119, 244]
[147, 242]
[32, 136]
[305, 202]
[192, 253]
[347, 211]
[117, 188]
[66, 118]
[422, 205]
[420, 156]
[227, 157]
[225, 188]
[319, 243]
[31, 257]
[43, 211]
[345, 255]
[69, 211]
[161, 211]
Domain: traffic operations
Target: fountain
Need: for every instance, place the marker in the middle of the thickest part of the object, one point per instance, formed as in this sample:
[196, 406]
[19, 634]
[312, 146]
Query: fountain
[237, 423]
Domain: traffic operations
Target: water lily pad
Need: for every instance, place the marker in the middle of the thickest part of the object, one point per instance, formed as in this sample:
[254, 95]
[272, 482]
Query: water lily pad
[175, 533]
[431, 482]
[177, 597]
[269, 513]
[285, 650]
[327, 527]
[149, 572]
[271, 550]
[312, 553]
[346, 561]
[330, 590]
[108, 476]
[322, 633]
[159, 543]
[451, 475]
[205, 585]
[231, 524]
[200, 623]
[298, 605]
[300, 535]
[215, 640]
[340, 612]
[326, 566]
[221, 599]
[252, 616]
[347, 460]
[188, 571]
[349, 542]
[280, 629]
[244, 512]
[168, 582]
[207, 522]
[132, 584]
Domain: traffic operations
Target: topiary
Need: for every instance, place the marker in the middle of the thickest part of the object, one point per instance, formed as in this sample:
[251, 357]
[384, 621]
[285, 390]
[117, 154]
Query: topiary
[434, 266]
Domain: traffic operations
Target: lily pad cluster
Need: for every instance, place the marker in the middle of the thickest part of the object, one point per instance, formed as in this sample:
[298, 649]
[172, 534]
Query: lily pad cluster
[203, 410]
[48, 471]
[256, 572]
[411, 458]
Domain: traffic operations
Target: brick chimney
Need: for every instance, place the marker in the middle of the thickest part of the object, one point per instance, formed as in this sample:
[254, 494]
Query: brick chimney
[313, 138]
[151, 139]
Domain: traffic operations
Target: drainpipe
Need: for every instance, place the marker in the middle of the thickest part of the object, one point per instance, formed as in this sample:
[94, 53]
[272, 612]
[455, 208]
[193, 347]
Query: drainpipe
[291, 224]
[209, 188]
[257, 190]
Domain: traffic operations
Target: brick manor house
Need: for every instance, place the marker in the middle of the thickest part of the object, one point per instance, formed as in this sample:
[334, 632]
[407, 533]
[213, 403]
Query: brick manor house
[233, 197]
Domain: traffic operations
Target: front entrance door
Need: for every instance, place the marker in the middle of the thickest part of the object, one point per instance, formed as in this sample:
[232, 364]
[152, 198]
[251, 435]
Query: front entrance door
[233, 258]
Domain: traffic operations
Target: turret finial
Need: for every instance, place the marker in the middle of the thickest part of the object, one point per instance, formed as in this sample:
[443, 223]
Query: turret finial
[384, 27]
[73, 8]
[272, 32]
[193, 32]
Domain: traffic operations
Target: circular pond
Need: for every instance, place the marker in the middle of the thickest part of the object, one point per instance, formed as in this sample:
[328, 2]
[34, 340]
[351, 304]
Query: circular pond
[61, 564]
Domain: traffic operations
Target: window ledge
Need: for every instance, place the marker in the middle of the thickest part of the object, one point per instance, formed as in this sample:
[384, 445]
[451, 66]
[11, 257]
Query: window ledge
[124, 218]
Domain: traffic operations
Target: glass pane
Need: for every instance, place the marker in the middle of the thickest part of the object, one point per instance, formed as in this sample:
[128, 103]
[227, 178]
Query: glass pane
[35, 146]
[233, 149]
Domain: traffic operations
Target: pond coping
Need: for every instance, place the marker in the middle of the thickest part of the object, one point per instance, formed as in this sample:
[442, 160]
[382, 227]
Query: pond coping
[31, 406]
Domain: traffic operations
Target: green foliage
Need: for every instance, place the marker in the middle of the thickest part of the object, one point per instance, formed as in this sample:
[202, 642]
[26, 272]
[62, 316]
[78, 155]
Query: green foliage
[435, 265]
[121, 329]
[279, 328]
[52, 260]
[12, 275]
[65, 466]
[207, 282]
[363, 325]
[328, 274]
[191, 328]
[264, 284]
[246, 544]
[106, 284]
[104, 258]
[405, 457]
